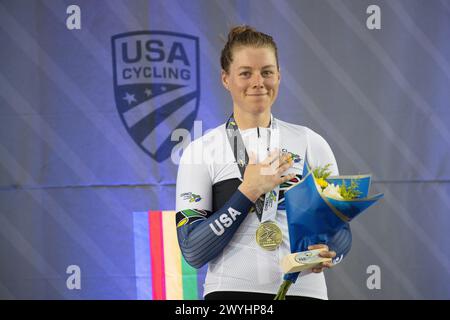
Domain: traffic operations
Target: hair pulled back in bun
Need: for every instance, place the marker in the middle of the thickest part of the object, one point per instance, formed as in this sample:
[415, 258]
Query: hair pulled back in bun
[245, 36]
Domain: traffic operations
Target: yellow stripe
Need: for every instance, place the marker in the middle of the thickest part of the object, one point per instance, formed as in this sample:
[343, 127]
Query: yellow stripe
[172, 258]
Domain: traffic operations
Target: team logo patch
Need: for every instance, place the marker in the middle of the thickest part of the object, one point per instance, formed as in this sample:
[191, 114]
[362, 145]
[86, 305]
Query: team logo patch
[192, 197]
[188, 216]
[156, 86]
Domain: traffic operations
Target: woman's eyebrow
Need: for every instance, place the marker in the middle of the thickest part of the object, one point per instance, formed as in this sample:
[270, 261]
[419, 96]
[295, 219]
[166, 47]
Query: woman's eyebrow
[265, 67]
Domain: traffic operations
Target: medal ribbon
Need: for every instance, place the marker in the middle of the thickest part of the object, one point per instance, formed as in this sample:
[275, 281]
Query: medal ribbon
[266, 208]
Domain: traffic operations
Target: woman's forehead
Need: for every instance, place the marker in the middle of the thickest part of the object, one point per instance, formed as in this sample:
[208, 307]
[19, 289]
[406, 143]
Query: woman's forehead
[246, 56]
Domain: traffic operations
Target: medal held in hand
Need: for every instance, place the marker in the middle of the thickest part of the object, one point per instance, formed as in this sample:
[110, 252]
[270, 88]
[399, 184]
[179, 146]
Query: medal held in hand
[269, 236]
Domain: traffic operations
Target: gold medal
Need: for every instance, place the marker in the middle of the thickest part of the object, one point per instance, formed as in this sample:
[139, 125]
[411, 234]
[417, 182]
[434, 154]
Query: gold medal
[269, 236]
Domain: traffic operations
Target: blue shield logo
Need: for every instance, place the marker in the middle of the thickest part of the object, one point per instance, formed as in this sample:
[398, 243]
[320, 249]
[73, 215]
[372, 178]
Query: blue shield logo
[156, 86]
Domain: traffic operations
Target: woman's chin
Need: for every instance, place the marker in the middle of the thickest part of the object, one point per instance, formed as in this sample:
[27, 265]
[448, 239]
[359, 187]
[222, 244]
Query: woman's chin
[258, 108]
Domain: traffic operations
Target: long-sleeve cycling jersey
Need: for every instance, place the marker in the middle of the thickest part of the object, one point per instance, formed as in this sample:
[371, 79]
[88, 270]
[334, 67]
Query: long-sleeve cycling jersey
[216, 223]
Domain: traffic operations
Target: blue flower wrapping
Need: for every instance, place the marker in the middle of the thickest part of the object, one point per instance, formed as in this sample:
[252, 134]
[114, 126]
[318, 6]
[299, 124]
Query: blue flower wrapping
[314, 218]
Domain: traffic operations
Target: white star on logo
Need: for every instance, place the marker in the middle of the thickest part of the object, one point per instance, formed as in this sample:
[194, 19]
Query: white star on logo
[148, 92]
[129, 97]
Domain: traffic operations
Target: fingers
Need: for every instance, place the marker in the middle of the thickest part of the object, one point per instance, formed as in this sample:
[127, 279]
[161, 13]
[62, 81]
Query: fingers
[283, 167]
[270, 165]
[327, 254]
[284, 158]
[318, 246]
[274, 165]
[284, 163]
[277, 161]
[324, 254]
[287, 178]
[273, 155]
[324, 265]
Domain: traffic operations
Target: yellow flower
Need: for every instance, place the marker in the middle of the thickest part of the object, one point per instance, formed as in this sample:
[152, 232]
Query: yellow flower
[321, 182]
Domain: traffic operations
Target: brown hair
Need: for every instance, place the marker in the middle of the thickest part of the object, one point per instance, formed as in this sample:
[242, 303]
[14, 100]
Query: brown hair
[245, 35]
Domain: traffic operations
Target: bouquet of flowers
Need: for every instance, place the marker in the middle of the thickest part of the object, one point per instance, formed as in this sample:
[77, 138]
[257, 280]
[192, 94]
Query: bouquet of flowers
[319, 206]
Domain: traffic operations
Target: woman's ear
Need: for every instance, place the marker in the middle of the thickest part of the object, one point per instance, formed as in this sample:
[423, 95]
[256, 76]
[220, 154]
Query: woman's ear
[224, 76]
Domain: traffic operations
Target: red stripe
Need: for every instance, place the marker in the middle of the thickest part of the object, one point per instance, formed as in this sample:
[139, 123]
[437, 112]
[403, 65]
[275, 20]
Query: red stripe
[157, 255]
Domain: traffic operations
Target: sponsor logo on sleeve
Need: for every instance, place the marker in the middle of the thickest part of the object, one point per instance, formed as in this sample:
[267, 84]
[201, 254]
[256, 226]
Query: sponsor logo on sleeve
[192, 197]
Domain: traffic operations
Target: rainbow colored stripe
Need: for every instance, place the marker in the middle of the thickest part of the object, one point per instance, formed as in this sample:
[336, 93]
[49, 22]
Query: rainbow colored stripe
[161, 271]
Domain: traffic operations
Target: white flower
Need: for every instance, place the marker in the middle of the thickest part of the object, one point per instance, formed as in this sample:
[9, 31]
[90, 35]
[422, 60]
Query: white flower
[332, 191]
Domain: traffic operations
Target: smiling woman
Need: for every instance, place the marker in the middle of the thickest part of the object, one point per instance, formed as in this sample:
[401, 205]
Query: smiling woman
[249, 162]
[250, 72]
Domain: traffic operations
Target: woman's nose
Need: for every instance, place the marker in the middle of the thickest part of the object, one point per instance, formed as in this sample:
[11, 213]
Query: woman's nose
[258, 81]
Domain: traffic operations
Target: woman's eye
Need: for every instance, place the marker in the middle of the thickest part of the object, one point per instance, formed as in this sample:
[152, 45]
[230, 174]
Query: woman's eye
[245, 74]
[267, 73]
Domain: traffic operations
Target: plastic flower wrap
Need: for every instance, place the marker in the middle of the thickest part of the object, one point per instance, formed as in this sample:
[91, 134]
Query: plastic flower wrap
[319, 206]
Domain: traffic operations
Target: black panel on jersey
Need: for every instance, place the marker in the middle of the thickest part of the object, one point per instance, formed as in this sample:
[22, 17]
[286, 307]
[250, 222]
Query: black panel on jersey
[222, 192]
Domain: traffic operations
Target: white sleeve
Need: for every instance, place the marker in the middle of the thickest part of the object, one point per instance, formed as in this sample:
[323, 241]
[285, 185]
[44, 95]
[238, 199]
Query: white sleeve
[319, 153]
[194, 184]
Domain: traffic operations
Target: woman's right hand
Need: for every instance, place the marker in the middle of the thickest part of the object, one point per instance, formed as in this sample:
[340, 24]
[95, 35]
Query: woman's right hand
[260, 178]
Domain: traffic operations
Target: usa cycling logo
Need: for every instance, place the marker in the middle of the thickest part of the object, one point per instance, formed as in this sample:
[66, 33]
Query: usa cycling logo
[156, 86]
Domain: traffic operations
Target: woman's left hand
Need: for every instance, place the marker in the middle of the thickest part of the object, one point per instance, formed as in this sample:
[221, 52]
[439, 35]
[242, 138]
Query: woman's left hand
[324, 254]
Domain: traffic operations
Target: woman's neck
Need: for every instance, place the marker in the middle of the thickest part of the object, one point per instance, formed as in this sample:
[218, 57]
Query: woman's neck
[249, 120]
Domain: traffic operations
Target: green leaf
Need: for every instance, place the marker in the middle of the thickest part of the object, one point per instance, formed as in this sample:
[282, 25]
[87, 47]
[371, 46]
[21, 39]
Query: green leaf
[350, 192]
[322, 172]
